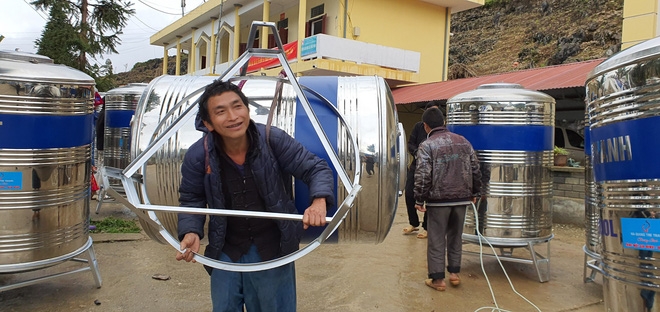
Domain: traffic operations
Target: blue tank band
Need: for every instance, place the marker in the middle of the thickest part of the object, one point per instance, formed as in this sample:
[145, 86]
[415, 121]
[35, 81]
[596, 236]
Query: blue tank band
[507, 137]
[44, 131]
[118, 118]
[626, 150]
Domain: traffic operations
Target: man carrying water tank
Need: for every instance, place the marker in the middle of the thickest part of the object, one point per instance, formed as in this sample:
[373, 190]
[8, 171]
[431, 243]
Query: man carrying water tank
[238, 165]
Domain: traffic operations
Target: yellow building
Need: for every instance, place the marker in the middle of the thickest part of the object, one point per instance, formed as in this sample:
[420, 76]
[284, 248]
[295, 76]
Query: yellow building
[640, 21]
[403, 41]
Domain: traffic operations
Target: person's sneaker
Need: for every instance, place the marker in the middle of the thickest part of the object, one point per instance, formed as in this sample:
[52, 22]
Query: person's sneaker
[94, 196]
[422, 234]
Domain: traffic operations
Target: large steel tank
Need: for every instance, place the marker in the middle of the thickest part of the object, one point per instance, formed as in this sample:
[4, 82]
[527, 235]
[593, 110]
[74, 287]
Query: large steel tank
[511, 129]
[623, 96]
[120, 104]
[592, 212]
[366, 104]
[45, 144]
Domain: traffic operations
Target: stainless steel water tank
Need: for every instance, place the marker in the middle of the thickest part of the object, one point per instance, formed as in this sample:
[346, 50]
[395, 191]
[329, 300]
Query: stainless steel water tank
[365, 102]
[120, 104]
[623, 96]
[592, 212]
[45, 139]
[511, 129]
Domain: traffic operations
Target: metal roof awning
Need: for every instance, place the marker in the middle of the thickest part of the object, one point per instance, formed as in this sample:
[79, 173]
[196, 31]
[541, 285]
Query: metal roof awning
[572, 75]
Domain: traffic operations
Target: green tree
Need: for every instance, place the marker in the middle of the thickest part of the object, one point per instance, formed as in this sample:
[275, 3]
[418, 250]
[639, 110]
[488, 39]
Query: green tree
[97, 23]
[59, 40]
[103, 75]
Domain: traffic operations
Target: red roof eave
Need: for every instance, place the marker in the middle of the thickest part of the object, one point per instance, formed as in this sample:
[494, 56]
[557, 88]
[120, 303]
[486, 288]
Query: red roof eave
[545, 78]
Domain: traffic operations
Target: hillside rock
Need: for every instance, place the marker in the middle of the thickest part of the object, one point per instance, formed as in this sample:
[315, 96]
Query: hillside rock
[148, 70]
[506, 35]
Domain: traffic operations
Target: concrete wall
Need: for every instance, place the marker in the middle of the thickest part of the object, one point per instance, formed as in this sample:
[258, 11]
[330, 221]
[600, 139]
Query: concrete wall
[568, 195]
[640, 21]
[568, 182]
[411, 25]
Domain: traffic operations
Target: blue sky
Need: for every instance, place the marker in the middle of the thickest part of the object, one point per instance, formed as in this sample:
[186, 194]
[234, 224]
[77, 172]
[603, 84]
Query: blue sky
[22, 25]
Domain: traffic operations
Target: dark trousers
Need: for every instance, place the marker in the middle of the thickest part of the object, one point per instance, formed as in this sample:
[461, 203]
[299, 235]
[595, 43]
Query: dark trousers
[445, 231]
[413, 218]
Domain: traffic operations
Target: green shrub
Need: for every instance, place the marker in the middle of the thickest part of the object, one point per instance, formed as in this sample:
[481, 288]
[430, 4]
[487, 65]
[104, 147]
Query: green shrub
[114, 225]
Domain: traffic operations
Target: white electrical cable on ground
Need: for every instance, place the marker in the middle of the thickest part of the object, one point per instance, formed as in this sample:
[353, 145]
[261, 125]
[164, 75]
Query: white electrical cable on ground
[481, 259]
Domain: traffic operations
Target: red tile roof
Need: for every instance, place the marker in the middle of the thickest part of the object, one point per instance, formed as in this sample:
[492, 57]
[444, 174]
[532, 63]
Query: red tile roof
[539, 79]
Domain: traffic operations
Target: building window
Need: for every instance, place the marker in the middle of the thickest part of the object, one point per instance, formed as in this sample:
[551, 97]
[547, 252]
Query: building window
[283, 24]
[315, 26]
[282, 30]
[317, 11]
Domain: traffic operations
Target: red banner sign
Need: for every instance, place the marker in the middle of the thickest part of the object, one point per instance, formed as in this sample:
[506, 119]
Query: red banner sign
[257, 63]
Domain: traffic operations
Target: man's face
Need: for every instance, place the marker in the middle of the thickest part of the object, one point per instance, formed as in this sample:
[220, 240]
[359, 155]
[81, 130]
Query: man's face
[229, 116]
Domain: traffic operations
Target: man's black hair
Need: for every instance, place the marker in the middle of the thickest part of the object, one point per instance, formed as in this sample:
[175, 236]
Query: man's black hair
[218, 87]
[433, 117]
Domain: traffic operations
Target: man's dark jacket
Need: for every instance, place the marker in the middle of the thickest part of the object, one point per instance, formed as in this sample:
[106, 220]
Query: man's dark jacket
[447, 169]
[272, 166]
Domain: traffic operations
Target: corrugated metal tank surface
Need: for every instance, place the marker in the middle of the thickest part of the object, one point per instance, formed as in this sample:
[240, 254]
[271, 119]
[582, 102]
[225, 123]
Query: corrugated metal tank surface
[623, 96]
[366, 104]
[511, 129]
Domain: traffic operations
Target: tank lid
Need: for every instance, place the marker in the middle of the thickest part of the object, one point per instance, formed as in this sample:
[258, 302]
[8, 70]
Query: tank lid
[501, 92]
[637, 53]
[500, 85]
[24, 56]
[34, 68]
[131, 88]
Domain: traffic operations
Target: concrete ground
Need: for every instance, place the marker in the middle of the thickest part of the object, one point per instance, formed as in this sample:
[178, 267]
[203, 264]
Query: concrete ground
[341, 277]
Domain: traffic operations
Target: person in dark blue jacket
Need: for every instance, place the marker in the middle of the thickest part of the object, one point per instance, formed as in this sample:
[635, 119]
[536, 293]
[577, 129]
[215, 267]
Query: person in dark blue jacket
[239, 164]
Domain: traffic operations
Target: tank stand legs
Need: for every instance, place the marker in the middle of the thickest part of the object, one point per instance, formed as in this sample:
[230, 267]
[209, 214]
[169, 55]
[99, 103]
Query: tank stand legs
[541, 262]
[101, 197]
[592, 262]
[93, 265]
[91, 261]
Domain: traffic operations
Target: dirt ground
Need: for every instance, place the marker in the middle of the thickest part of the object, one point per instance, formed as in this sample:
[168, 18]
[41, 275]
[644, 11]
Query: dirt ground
[340, 277]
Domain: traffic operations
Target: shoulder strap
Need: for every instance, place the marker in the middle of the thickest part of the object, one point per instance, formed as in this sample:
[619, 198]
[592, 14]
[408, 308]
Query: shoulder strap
[207, 163]
[277, 98]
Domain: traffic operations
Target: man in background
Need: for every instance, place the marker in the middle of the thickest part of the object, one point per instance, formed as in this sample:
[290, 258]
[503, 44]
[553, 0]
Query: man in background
[447, 180]
[418, 135]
